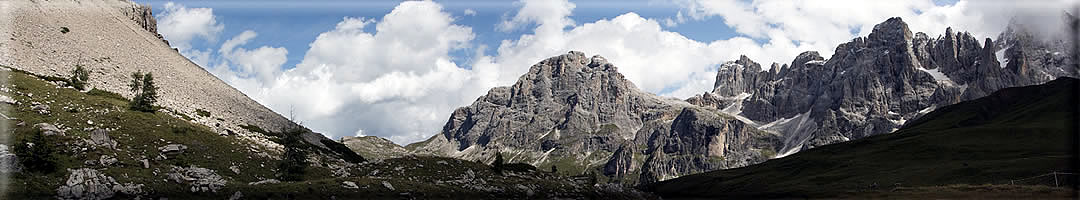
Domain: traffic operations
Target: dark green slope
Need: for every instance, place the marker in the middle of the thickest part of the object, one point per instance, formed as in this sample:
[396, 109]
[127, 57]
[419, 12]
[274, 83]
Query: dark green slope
[1014, 133]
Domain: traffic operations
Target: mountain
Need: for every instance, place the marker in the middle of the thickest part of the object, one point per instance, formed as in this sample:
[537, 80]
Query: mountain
[375, 148]
[580, 115]
[1001, 139]
[206, 141]
[873, 85]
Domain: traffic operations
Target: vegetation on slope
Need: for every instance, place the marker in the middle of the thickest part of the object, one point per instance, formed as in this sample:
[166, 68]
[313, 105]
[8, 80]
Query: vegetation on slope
[1012, 134]
[245, 167]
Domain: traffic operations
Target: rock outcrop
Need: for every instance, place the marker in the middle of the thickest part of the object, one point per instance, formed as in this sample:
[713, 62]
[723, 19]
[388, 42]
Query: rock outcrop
[88, 183]
[579, 114]
[8, 161]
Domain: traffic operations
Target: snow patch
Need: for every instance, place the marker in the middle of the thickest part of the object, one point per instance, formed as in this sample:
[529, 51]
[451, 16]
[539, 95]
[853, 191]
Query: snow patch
[794, 130]
[815, 62]
[1001, 57]
[938, 76]
[928, 109]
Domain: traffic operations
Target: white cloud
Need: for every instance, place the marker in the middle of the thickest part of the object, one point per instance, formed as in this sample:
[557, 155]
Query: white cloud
[554, 13]
[469, 12]
[180, 25]
[820, 25]
[263, 63]
[655, 60]
[397, 82]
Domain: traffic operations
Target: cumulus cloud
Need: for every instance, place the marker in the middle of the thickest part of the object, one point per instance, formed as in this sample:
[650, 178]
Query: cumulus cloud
[397, 82]
[469, 12]
[180, 25]
[263, 63]
[654, 59]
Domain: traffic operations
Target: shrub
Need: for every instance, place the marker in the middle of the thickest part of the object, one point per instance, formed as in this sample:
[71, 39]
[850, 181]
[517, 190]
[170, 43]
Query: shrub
[36, 153]
[78, 78]
[64, 30]
[202, 113]
[498, 164]
[106, 94]
[142, 86]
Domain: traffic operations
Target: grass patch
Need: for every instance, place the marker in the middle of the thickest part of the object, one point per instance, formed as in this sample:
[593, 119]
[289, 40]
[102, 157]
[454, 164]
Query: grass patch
[106, 94]
[202, 113]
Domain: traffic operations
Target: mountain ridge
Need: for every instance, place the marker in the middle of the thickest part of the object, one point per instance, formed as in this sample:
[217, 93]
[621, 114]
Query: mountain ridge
[998, 140]
[870, 85]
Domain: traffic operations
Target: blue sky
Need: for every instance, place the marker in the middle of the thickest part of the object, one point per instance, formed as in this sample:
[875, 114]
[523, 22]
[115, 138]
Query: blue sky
[397, 69]
[294, 25]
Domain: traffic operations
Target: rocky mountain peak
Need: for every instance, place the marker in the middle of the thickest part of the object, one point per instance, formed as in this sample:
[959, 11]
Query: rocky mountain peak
[579, 114]
[875, 84]
[889, 32]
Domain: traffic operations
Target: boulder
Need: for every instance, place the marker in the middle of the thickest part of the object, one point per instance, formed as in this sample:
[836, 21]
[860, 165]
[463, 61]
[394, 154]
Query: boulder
[49, 129]
[107, 160]
[200, 179]
[349, 185]
[173, 149]
[100, 138]
[41, 109]
[387, 185]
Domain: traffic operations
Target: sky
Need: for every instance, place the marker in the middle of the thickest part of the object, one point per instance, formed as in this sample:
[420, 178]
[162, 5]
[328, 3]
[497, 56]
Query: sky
[397, 69]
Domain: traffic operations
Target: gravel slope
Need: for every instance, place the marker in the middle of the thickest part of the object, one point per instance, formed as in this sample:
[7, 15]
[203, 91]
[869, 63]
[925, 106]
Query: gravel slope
[105, 37]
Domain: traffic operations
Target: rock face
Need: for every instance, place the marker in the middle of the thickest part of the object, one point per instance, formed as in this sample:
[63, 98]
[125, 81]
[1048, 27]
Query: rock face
[875, 84]
[88, 183]
[8, 161]
[100, 138]
[701, 141]
[579, 114]
[48, 129]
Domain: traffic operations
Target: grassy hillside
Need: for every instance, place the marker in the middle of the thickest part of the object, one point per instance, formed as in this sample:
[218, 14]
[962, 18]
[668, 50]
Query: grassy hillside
[139, 135]
[952, 152]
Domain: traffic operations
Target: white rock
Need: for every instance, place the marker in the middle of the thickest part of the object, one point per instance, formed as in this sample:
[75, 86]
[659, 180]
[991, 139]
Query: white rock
[349, 185]
[387, 185]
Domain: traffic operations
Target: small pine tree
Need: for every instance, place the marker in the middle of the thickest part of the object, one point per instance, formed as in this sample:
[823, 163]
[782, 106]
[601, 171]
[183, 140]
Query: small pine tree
[136, 82]
[294, 163]
[78, 78]
[36, 153]
[142, 85]
[498, 164]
